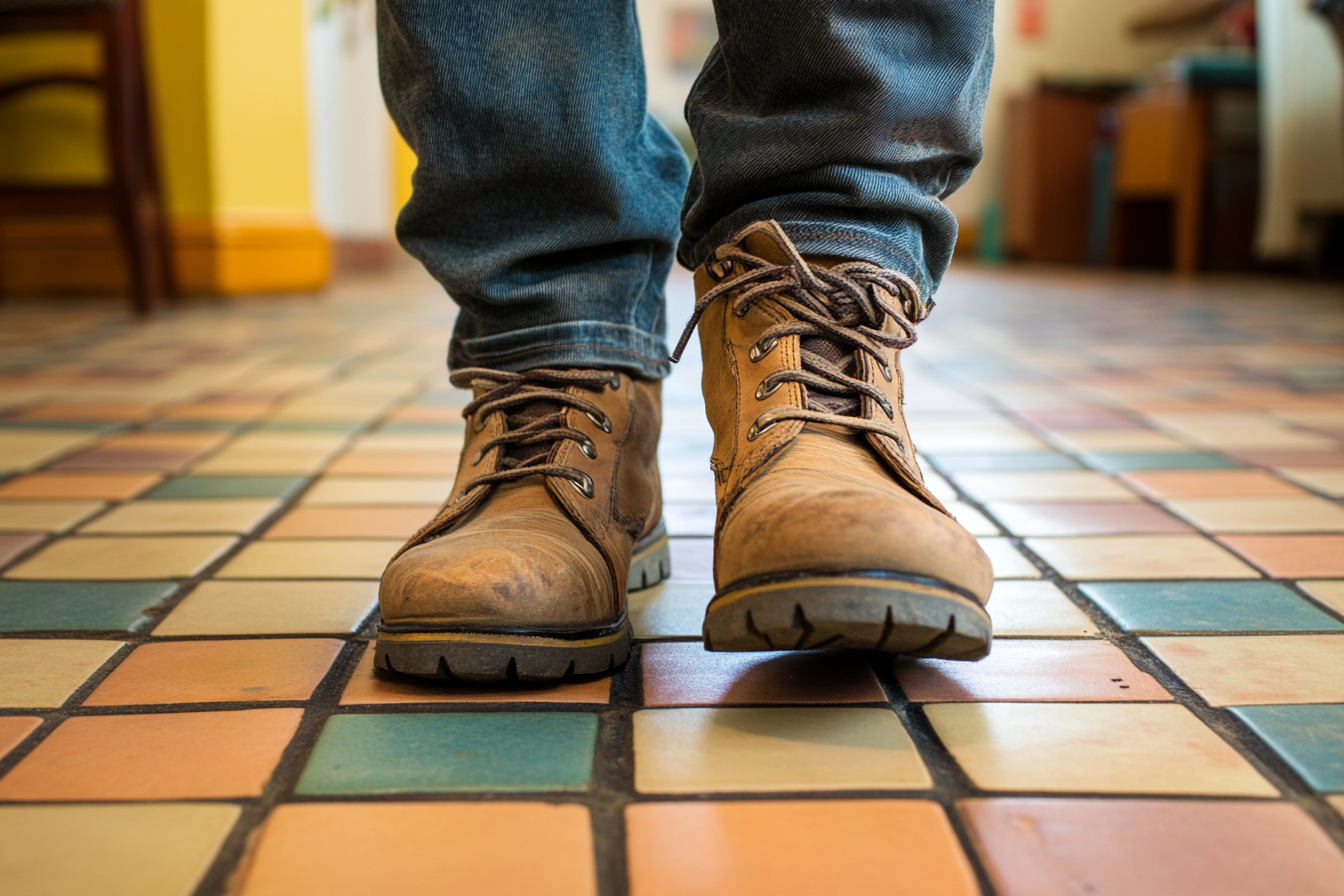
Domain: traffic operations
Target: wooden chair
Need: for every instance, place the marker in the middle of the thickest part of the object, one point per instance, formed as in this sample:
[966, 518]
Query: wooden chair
[132, 194]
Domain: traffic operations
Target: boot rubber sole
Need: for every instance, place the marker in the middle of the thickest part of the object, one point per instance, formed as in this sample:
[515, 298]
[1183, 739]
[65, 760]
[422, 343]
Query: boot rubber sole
[498, 655]
[889, 612]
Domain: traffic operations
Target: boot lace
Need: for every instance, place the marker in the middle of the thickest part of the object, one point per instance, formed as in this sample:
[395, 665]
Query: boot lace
[838, 313]
[534, 403]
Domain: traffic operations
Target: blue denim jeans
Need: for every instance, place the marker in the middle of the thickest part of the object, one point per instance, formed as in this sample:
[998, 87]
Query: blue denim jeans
[546, 197]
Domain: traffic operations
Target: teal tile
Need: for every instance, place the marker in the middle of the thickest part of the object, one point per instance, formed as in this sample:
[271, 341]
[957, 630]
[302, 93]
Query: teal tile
[504, 752]
[77, 606]
[229, 487]
[1310, 738]
[1124, 462]
[1208, 607]
[1032, 460]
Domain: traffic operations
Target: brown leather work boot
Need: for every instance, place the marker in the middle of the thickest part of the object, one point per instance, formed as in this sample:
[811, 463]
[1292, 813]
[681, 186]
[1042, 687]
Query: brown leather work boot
[555, 512]
[826, 535]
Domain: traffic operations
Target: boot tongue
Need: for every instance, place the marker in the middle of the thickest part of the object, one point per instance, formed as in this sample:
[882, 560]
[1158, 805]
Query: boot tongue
[522, 416]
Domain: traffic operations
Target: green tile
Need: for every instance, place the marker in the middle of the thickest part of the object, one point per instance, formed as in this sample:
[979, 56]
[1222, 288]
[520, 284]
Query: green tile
[1208, 607]
[1123, 462]
[229, 487]
[1310, 738]
[1030, 460]
[77, 606]
[504, 752]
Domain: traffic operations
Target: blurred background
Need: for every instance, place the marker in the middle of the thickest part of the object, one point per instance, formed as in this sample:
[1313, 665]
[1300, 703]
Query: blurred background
[223, 147]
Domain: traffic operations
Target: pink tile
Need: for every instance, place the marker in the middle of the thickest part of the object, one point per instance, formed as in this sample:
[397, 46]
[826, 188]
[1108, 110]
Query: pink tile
[12, 546]
[685, 674]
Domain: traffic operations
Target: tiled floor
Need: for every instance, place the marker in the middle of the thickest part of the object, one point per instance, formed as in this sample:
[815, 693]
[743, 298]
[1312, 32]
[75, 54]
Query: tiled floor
[194, 513]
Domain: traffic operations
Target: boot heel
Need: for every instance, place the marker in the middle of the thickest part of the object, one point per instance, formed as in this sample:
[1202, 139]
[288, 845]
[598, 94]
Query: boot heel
[651, 561]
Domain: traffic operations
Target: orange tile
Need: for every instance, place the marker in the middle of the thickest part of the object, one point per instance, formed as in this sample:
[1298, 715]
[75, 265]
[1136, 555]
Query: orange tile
[13, 729]
[784, 847]
[218, 671]
[1292, 556]
[305, 850]
[112, 411]
[423, 413]
[1168, 484]
[418, 464]
[353, 522]
[372, 686]
[109, 486]
[157, 756]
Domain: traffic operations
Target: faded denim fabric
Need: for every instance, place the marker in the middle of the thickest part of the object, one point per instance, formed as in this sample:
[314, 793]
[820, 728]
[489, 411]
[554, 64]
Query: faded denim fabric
[545, 200]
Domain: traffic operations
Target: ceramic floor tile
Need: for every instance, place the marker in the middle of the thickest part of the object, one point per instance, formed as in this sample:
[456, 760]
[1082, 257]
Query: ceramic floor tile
[105, 486]
[438, 463]
[1008, 561]
[40, 674]
[305, 850]
[370, 686]
[353, 522]
[689, 519]
[1329, 592]
[1081, 441]
[793, 848]
[233, 515]
[357, 490]
[114, 411]
[161, 849]
[1292, 556]
[1052, 486]
[1032, 460]
[25, 449]
[312, 559]
[1078, 518]
[685, 674]
[13, 546]
[45, 516]
[1063, 847]
[228, 487]
[1207, 607]
[1031, 671]
[158, 756]
[692, 558]
[452, 753]
[1307, 514]
[1140, 557]
[13, 731]
[270, 608]
[1257, 669]
[1327, 480]
[218, 672]
[78, 606]
[672, 609]
[123, 557]
[972, 520]
[1307, 737]
[107, 458]
[1124, 462]
[1092, 748]
[724, 750]
[1026, 609]
[1168, 485]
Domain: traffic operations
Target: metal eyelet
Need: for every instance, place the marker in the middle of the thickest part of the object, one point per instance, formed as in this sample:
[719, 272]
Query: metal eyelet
[741, 311]
[885, 368]
[615, 381]
[763, 391]
[589, 449]
[602, 421]
[583, 486]
[761, 349]
[480, 456]
[756, 429]
[891, 414]
[480, 423]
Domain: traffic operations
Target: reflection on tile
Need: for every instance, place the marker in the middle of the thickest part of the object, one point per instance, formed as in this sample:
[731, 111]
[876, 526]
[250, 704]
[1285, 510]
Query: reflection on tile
[689, 519]
[13, 730]
[1079, 518]
[370, 686]
[1140, 557]
[1292, 556]
[1031, 670]
[1033, 847]
[786, 847]
[123, 557]
[1207, 607]
[158, 756]
[45, 516]
[1264, 669]
[1060, 485]
[685, 674]
[452, 753]
[218, 672]
[716, 750]
[39, 674]
[386, 490]
[1307, 737]
[1092, 747]
[104, 486]
[328, 559]
[161, 849]
[1306, 514]
[673, 609]
[1329, 592]
[692, 558]
[1169, 486]
[353, 522]
[229, 487]
[76, 606]
[238, 515]
[305, 849]
[271, 608]
[1036, 609]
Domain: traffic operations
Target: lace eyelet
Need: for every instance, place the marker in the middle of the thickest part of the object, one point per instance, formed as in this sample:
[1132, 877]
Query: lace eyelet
[761, 349]
[583, 486]
[602, 421]
[886, 369]
[741, 311]
[756, 429]
[480, 456]
[589, 449]
[615, 381]
[763, 391]
[480, 424]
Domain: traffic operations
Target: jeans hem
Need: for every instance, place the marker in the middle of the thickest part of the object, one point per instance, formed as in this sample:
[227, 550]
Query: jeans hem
[591, 344]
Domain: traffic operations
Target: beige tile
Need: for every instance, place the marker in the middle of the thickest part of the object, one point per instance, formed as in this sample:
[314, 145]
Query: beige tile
[1009, 563]
[123, 557]
[345, 558]
[673, 609]
[25, 449]
[240, 515]
[716, 750]
[1241, 430]
[1036, 610]
[1043, 485]
[42, 673]
[1081, 441]
[1327, 480]
[349, 490]
[408, 443]
[1245, 515]
[1140, 557]
[1252, 670]
[76, 486]
[1092, 748]
[147, 849]
[271, 608]
[272, 453]
[1328, 591]
[1336, 803]
[45, 516]
[972, 520]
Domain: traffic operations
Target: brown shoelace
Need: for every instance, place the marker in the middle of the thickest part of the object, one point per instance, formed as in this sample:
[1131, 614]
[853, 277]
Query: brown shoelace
[534, 404]
[837, 314]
